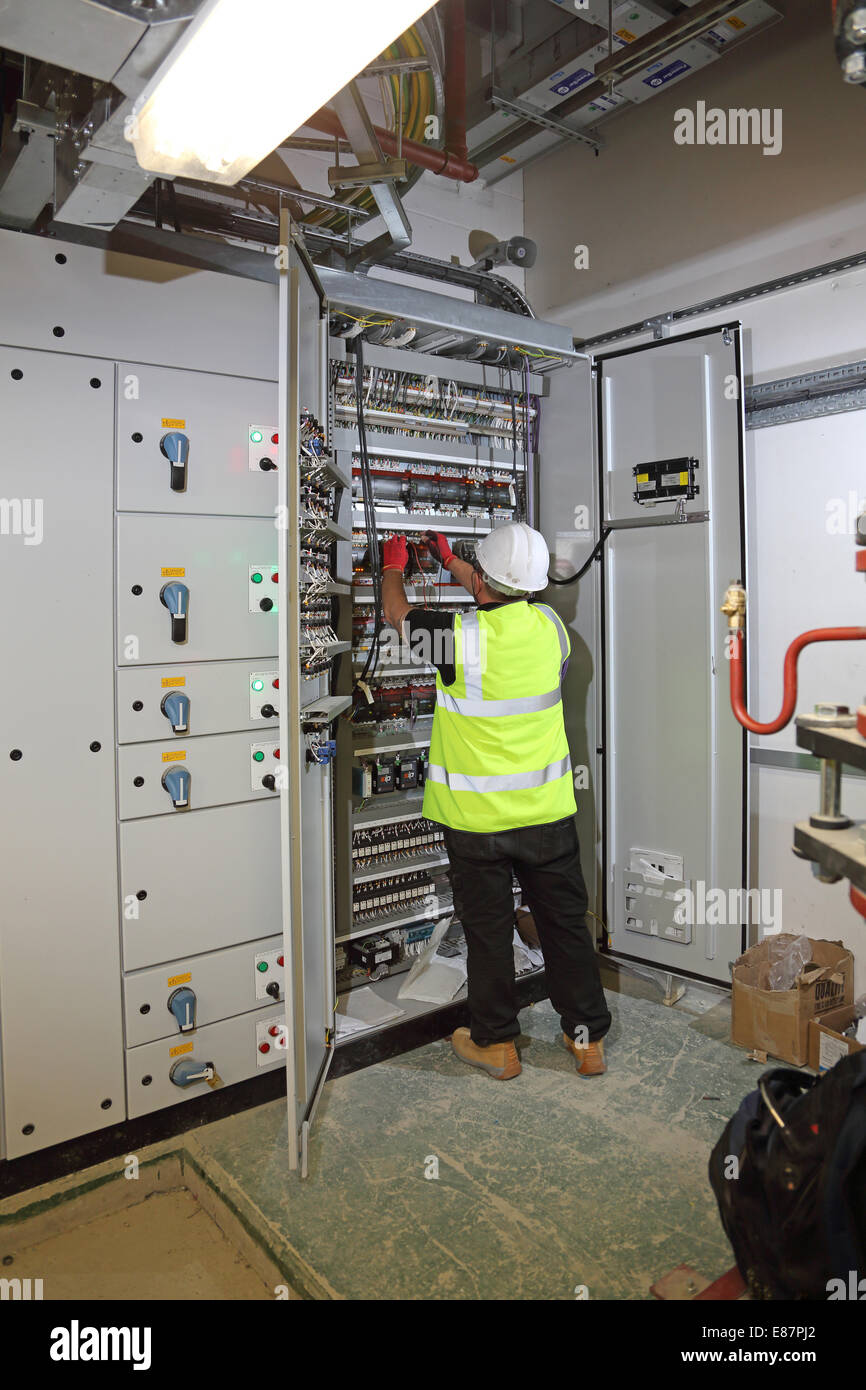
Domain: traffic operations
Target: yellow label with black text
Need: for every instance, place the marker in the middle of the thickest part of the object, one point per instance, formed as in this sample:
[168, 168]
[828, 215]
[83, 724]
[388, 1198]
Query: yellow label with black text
[643, 477]
[172, 680]
[625, 35]
[174, 424]
[174, 757]
[684, 478]
[182, 1047]
[179, 979]
[173, 571]
[735, 22]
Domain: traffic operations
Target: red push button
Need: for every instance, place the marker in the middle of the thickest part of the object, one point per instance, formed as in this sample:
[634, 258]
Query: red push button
[274, 1031]
[280, 960]
[264, 1047]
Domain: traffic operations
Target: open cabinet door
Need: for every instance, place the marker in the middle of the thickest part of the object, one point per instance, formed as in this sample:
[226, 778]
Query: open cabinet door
[670, 430]
[305, 787]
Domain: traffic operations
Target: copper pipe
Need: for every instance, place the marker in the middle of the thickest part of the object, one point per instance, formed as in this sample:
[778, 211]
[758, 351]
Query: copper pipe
[437, 161]
[455, 79]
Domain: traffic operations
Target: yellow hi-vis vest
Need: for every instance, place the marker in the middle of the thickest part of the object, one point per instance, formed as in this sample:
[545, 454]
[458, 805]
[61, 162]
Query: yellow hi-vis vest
[498, 752]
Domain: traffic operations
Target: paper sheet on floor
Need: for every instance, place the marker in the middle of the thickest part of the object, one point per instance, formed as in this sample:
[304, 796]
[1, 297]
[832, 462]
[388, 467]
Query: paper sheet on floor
[434, 979]
[361, 1009]
[526, 958]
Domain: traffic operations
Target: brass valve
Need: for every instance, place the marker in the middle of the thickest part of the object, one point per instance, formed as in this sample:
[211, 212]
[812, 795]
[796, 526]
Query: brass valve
[734, 606]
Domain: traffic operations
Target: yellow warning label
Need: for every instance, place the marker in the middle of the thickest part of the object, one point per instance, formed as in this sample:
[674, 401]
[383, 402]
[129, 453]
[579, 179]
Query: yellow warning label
[174, 424]
[173, 571]
[507, 159]
[735, 22]
[626, 36]
[182, 1047]
[684, 478]
[174, 757]
[179, 979]
[643, 477]
[172, 680]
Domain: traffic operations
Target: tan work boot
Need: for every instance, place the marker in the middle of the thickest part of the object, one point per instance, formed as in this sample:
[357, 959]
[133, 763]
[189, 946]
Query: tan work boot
[590, 1059]
[499, 1059]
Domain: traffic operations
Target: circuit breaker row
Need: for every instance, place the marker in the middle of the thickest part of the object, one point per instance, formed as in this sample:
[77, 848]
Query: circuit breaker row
[413, 486]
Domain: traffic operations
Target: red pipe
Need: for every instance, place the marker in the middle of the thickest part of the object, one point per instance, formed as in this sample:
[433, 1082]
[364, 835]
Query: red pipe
[455, 79]
[453, 161]
[437, 161]
[738, 673]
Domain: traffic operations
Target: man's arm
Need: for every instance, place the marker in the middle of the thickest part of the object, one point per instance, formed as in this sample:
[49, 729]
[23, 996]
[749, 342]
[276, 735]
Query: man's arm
[441, 551]
[395, 605]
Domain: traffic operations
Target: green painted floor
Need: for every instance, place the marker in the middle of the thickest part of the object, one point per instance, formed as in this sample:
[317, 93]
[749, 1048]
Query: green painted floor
[545, 1183]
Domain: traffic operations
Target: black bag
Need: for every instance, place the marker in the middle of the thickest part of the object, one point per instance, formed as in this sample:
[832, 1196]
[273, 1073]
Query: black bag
[796, 1214]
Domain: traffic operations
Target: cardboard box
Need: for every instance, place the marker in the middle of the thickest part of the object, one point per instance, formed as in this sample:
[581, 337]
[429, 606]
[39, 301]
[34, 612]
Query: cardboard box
[777, 1021]
[827, 1043]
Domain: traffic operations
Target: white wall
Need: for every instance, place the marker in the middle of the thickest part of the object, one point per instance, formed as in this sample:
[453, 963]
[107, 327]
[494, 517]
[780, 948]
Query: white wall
[671, 225]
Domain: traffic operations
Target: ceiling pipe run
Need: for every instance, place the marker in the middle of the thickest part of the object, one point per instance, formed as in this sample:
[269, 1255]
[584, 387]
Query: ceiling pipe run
[427, 157]
[452, 162]
[455, 80]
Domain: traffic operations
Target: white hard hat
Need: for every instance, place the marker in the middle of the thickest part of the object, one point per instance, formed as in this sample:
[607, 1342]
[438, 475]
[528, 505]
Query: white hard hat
[515, 555]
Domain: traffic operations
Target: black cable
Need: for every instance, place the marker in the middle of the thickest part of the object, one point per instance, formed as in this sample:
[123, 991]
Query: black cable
[369, 512]
[2, 92]
[605, 532]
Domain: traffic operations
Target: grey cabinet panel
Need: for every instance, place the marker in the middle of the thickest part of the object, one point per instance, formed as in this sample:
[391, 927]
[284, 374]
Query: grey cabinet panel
[231, 1045]
[675, 787]
[210, 878]
[222, 768]
[215, 415]
[211, 557]
[221, 697]
[224, 983]
[59, 985]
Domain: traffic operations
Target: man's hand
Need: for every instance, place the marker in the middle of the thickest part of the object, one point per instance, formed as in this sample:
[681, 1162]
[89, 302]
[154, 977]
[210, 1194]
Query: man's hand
[438, 547]
[395, 554]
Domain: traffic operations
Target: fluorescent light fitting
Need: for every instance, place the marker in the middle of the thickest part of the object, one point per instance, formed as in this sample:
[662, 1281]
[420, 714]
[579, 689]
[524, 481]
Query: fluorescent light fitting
[248, 73]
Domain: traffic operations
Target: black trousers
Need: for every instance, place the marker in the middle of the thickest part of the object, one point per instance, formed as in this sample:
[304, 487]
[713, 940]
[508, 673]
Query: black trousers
[546, 860]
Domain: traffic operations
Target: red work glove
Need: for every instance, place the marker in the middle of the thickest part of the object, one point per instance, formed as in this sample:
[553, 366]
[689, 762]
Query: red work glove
[395, 554]
[439, 548]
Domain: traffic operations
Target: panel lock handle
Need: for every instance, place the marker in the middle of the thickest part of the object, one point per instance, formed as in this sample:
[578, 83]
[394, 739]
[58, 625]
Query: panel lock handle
[181, 1003]
[176, 781]
[175, 707]
[186, 1071]
[176, 599]
[175, 447]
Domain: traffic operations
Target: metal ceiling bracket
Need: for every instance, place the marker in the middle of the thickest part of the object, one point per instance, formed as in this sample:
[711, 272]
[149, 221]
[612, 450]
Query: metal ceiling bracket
[365, 175]
[660, 326]
[514, 106]
[356, 123]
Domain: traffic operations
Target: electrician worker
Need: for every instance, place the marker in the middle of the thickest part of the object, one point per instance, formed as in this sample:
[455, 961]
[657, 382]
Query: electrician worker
[499, 781]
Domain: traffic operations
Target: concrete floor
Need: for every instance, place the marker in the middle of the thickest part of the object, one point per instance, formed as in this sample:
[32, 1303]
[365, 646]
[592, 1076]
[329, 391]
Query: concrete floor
[545, 1183]
[166, 1247]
